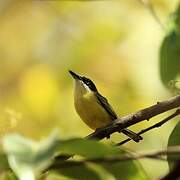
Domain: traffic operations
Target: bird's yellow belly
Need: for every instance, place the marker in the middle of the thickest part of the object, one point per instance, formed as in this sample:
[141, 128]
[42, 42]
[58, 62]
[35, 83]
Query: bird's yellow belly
[91, 112]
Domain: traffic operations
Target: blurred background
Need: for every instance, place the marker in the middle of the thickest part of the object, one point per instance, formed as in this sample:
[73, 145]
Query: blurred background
[115, 43]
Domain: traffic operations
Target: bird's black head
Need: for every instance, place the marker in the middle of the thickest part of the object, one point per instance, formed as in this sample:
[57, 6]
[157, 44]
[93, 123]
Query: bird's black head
[85, 80]
[89, 83]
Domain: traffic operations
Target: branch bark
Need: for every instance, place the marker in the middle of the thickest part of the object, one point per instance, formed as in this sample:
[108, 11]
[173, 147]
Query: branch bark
[145, 114]
[126, 121]
[157, 125]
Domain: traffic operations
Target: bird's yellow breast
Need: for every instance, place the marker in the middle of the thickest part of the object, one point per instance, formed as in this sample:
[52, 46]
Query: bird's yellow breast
[90, 111]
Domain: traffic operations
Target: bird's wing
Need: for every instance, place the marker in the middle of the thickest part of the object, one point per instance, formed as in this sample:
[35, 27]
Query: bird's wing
[104, 103]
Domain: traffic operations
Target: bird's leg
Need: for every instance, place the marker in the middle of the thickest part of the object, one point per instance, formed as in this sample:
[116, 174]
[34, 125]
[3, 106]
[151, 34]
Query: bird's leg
[98, 129]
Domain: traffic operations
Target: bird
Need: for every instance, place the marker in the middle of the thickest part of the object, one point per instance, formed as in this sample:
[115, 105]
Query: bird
[93, 108]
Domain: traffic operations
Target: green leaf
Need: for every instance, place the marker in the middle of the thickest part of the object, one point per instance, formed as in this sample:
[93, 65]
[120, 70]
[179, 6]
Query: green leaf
[3, 162]
[93, 149]
[126, 170]
[28, 158]
[174, 140]
[169, 58]
[10, 176]
[87, 148]
[116, 170]
[170, 52]
[79, 172]
[177, 19]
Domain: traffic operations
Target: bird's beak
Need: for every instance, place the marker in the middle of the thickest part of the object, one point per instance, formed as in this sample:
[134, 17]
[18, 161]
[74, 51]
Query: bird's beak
[74, 75]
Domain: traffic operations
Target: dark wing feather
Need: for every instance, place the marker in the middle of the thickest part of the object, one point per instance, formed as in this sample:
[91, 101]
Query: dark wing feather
[104, 103]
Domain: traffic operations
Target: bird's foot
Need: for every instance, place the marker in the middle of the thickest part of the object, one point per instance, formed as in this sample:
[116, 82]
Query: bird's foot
[99, 129]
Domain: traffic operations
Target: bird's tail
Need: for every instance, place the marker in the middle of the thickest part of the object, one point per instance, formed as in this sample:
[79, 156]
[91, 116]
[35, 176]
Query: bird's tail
[132, 135]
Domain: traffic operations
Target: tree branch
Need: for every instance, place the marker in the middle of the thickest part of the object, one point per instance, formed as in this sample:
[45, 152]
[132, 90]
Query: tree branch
[175, 150]
[145, 114]
[126, 121]
[157, 125]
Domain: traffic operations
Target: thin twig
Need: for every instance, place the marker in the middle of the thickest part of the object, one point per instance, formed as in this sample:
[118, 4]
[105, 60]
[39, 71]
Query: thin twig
[157, 125]
[150, 7]
[134, 118]
[175, 150]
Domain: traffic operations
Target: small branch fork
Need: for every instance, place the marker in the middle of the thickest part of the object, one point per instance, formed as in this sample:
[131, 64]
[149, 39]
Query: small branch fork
[145, 114]
[157, 125]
